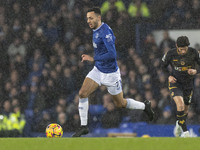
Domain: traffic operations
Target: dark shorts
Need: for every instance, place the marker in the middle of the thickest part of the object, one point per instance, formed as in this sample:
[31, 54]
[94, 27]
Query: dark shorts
[184, 90]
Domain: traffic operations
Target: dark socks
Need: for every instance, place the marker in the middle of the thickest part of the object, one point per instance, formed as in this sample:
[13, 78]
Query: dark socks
[181, 117]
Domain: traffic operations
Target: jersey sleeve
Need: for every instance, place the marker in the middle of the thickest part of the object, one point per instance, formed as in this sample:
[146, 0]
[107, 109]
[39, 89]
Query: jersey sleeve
[109, 42]
[165, 62]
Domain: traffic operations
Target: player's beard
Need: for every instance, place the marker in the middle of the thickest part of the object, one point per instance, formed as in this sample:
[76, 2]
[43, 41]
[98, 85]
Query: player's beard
[95, 25]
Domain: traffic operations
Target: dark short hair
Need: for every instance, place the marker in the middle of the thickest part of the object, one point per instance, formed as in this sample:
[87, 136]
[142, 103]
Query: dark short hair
[182, 41]
[95, 9]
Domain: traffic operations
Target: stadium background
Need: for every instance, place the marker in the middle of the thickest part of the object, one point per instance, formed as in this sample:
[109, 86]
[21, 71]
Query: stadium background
[40, 73]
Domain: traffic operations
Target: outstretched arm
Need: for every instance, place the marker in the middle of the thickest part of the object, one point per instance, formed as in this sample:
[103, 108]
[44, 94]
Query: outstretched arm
[86, 57]
[164, 64]
[197, 70]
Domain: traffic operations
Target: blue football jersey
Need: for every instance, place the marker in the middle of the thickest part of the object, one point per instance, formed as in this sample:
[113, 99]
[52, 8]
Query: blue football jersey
[104, 49]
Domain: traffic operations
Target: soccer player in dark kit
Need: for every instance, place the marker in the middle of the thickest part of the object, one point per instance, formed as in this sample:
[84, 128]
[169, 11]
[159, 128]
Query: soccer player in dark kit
[183, 60]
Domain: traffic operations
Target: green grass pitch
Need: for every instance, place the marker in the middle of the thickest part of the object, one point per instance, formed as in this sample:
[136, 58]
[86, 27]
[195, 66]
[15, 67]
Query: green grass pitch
[136, 143]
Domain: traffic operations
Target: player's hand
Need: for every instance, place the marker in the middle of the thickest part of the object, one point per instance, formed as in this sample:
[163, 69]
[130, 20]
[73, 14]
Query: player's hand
[171, 79]
[86, 58]
[192, 71]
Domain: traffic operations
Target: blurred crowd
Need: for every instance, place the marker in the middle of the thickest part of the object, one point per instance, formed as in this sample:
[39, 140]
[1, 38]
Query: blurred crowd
[41, 43]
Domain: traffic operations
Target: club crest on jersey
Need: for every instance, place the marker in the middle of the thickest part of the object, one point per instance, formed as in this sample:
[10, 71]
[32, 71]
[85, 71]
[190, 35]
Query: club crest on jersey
[182, 62]
[109, 37]
[97, 35]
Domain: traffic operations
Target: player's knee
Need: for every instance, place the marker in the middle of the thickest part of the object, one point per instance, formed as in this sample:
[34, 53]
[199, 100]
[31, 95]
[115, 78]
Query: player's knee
[180, 107]
[82, 94]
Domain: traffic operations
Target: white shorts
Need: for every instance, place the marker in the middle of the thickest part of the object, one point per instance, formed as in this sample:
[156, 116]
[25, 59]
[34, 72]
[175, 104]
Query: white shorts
[111, 80]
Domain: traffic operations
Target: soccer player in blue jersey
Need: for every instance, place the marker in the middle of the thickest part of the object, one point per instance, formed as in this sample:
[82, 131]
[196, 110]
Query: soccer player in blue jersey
[105, 72]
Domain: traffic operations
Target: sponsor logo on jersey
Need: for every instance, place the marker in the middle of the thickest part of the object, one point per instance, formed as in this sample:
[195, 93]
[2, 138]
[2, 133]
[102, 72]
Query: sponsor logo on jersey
[182, 68]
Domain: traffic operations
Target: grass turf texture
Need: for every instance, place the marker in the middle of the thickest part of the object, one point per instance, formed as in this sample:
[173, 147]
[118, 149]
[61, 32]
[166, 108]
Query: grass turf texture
[153, 143]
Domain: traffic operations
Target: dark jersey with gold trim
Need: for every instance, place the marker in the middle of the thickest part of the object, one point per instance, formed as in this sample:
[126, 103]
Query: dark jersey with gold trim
[181, 63]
